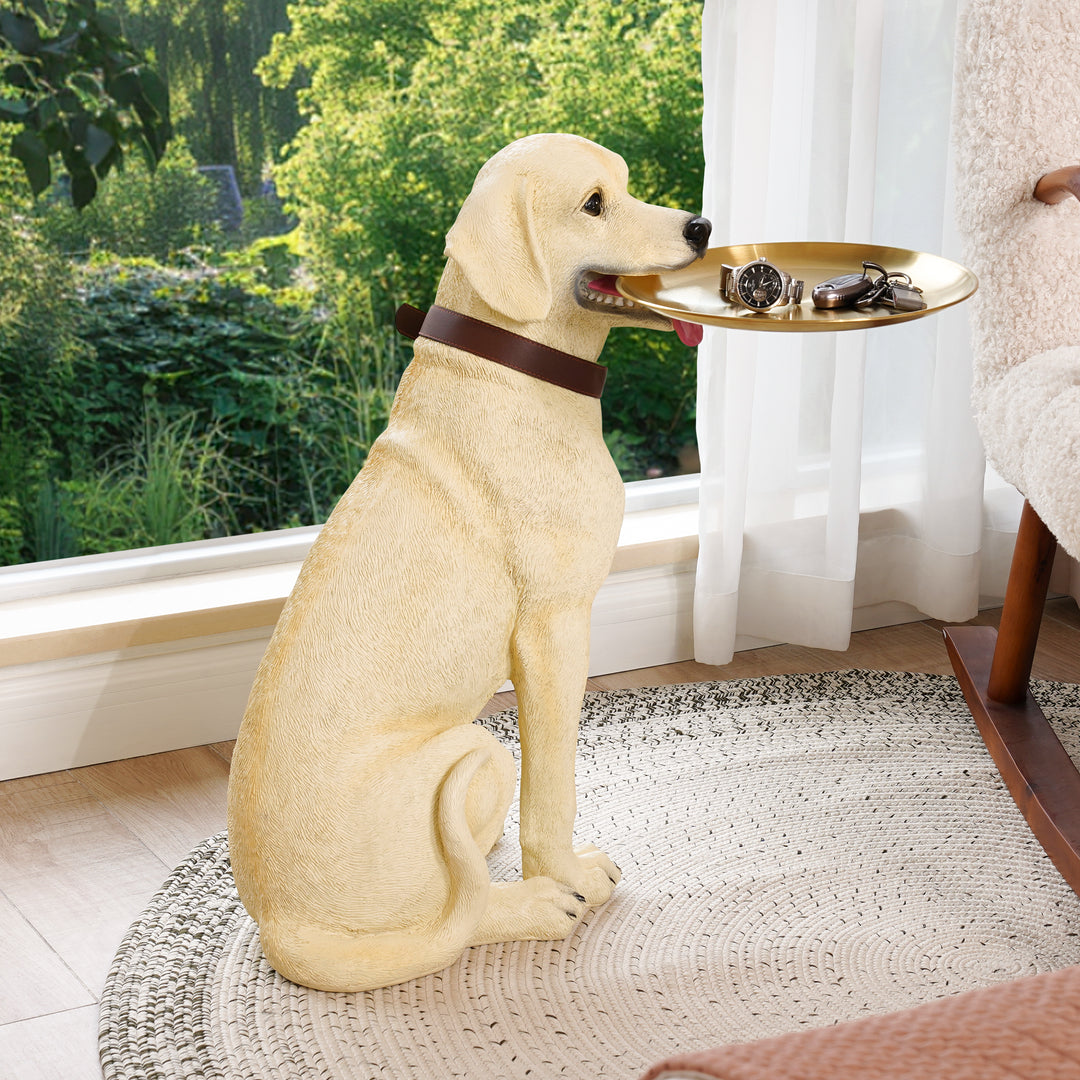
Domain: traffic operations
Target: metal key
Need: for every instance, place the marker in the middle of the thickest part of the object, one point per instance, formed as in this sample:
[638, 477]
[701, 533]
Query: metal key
[903, 296]
[893, 289]
[890, 288]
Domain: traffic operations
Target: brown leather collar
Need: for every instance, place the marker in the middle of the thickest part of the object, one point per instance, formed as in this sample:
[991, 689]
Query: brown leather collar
[503, 347]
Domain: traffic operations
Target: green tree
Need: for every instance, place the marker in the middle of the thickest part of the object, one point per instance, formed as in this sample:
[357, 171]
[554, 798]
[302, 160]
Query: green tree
[207, 51]
[139, 212]
[407, 99]
[74, 86]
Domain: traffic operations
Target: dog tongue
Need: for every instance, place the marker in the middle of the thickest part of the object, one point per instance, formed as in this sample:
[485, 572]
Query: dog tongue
[605, 284]
[689, 333]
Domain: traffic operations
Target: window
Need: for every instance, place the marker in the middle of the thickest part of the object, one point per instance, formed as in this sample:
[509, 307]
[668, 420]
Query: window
[179, 361]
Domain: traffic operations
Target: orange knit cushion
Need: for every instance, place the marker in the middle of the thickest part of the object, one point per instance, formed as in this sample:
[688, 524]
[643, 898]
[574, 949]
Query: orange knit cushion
[1028, 1029]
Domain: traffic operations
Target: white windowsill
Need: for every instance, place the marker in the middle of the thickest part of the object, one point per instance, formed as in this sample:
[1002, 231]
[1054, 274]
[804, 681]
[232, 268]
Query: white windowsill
[103, 603]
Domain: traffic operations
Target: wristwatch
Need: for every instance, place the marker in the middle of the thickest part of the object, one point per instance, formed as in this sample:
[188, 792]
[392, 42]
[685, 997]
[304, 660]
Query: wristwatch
[759, 285]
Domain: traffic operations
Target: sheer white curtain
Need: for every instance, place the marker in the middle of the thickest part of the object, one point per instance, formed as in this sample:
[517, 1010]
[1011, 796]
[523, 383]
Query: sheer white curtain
[842, 476]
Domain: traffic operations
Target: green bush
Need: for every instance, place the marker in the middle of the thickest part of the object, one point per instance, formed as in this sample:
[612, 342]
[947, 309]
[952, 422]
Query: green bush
[39, 349]
[137, 213]
[294, 391]
[149, 404]
[264, 217]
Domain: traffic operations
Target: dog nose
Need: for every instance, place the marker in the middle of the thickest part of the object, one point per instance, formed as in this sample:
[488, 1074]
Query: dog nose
[697, 232]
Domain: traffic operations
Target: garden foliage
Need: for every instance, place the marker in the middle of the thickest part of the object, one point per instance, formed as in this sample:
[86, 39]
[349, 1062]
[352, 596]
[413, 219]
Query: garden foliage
[139, 212]
[39, 348]
[190, 401]
[207, 51]
[406, 101]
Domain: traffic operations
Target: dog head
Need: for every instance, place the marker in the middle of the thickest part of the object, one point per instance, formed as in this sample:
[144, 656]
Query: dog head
[548, 226]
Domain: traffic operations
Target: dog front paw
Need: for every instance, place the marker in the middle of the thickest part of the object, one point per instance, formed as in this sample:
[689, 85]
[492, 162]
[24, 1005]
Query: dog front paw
[601, 874]
[586, 870]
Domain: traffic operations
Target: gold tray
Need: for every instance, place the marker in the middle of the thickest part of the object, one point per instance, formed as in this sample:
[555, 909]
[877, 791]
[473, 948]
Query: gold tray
[693, 293]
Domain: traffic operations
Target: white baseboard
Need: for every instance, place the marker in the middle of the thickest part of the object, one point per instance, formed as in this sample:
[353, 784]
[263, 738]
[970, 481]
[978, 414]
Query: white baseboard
[81, 710]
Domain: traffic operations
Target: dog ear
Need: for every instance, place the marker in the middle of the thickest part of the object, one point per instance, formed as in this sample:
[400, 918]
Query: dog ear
[494, 241]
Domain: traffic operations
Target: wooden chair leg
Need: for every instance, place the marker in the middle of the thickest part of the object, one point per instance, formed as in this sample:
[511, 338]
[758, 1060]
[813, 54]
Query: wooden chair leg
[1025, 598]
[994, 668]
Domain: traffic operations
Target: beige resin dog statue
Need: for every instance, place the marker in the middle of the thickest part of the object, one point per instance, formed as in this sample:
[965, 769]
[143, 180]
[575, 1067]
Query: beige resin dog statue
[363, 799]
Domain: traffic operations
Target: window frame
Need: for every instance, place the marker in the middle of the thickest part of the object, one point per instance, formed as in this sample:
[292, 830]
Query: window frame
[95, 603]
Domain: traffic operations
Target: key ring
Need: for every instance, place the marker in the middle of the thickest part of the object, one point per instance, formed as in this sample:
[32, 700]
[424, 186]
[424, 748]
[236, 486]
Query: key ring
[881, 290]
[877, 289]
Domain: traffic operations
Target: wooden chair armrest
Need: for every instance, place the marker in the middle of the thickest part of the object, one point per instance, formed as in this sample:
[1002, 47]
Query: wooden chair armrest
[1058, 185]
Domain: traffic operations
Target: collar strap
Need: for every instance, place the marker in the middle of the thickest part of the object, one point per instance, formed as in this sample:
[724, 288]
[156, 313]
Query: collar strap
[503, 347]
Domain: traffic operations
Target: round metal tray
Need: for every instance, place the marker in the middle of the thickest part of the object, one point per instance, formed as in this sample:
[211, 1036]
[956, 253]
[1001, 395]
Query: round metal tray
[693, 293]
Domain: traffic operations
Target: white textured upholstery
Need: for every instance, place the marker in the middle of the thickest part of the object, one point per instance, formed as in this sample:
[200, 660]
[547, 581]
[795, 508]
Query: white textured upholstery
[1018, 118]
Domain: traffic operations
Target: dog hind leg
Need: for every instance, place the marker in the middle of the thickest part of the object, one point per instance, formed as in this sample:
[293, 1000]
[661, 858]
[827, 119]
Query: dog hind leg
[343, 960]
[537, 909]
[540, 909]
[470, 808]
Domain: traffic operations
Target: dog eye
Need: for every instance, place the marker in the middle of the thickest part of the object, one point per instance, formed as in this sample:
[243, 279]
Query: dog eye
[594, 204]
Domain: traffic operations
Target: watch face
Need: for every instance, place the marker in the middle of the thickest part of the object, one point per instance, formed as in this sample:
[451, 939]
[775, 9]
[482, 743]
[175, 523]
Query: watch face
[760, 285]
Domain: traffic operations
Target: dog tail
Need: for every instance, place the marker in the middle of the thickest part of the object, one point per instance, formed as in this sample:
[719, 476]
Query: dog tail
[464, 861]
[343, 960]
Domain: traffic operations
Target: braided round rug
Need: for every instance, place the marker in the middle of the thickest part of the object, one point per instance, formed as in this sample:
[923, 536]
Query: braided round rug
[796, 851]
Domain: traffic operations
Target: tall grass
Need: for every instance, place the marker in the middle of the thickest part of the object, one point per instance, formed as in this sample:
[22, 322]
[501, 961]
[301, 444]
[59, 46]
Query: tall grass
[364, 361]
[162, 489]
[169, 477]
[48, 529]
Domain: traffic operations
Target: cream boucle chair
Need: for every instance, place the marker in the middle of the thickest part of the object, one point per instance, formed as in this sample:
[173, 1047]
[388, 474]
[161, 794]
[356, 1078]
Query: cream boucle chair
[1018, 125]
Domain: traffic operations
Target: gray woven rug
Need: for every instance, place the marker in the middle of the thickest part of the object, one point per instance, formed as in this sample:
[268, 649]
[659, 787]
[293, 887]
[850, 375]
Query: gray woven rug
[796, 851]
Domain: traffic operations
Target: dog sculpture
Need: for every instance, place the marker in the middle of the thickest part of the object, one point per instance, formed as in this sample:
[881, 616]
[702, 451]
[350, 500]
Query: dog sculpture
[363, 799]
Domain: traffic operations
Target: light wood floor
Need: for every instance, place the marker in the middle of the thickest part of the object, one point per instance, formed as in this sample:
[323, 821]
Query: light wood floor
[81, 851]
